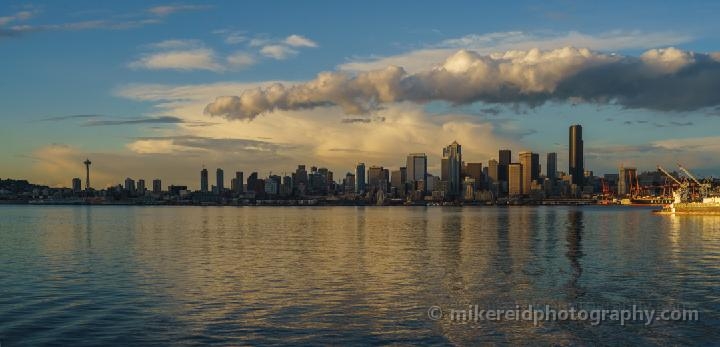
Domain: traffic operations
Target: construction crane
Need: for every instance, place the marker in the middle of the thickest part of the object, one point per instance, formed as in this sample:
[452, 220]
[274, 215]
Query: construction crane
[683, 190]
[704, 188]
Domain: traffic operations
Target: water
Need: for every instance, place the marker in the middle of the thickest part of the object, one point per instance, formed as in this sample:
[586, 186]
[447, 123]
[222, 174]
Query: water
[78, 275]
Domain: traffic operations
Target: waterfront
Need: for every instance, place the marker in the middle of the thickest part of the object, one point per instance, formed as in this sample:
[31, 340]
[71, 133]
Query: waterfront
[111, 275]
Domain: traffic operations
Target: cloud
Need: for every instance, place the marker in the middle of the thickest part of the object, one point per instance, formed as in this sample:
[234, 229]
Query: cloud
[299, 41]
[74, 116]
[16, 17]
[139, 120]
[241, 60]
[166, 10]
[427, 57]
[278, 52]
[192, 59]
[662, 80]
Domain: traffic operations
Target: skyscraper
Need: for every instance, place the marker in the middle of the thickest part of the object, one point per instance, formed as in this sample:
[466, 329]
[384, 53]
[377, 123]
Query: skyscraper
[238, 182]
[141, 186]
[492, 171]
[360, 178]
[527, 169]
[576, 166]
[551, 166]
[504, 159]
[220, 180]
[377, 178]
[625, 180]
[77, 185]
[157, 186]
[515, 179]
[417, 169]
[130, 185]
[204, 180]
[453, 155]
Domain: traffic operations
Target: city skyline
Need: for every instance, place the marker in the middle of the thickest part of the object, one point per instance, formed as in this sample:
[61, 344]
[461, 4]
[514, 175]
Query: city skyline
[159, 90]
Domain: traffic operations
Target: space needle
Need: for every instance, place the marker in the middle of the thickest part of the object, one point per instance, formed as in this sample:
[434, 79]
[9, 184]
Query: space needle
[87, 163]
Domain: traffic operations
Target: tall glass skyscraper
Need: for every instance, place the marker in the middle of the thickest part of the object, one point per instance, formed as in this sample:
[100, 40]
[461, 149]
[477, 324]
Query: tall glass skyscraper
[417, 169]
[360, 178]
[452, 157]
[551, 166]
[576, 166]
[220, 180]
[204, 181]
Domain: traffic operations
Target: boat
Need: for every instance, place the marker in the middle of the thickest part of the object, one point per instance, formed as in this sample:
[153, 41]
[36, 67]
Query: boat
[683, 203]
[708, 206]
[651, 200]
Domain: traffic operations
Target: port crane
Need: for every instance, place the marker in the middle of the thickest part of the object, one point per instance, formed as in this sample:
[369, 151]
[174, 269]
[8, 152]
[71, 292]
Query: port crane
[683, 190]
[704, 188]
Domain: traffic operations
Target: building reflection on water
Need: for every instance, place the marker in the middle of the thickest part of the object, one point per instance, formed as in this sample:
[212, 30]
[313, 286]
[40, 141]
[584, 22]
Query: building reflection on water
[575, 227]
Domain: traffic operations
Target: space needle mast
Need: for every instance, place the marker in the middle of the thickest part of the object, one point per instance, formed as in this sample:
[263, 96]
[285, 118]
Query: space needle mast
[87, 163]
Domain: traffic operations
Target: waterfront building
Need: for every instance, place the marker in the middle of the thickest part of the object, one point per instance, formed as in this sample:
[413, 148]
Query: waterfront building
[360, 178]
[451, 167]
[239, 182]
[76, 185]
[417, 170]
[515, 179]
[130, 185]
[378, 178]
[551, 166]
[141, 186]
[575, 164]
[157, 186]
[220, 180]
[204, 180]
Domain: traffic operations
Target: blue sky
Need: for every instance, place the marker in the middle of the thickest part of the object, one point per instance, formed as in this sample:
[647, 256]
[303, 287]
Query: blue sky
[146, 70]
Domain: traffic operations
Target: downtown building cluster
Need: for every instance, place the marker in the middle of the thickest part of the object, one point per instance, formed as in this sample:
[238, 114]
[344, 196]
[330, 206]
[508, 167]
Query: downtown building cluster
[506, 178]
[503, 177]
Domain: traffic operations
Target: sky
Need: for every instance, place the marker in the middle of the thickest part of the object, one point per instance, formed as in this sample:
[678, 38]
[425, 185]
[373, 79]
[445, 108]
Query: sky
[160, 89]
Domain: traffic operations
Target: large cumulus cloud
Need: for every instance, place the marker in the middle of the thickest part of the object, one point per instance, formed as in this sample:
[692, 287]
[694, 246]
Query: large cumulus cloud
[660, 79]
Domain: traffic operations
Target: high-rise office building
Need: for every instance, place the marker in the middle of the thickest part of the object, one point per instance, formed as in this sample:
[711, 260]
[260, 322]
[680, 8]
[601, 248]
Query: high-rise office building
[575, 164]
[626, 179]
[526, 162]
[377, 178]
[417, 170]
[239, 182]
[204, 180]
[349, 182]
[504, 159]
[157, 186]
[253, 185]
[492, 171]
[535, 163]
[515, 179]
[551, 166]
[130, 185]
[76, 185]
[220, 180]
[141, 186]
[452, 156]
[360, 178]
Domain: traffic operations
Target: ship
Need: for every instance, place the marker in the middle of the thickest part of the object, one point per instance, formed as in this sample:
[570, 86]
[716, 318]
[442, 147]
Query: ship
[684, 203]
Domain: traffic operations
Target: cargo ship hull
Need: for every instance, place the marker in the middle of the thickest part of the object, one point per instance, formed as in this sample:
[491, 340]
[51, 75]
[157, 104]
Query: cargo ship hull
[711, 206]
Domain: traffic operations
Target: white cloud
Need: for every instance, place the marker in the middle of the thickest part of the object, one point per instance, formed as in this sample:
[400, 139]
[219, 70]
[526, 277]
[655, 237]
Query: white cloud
[170, 9]
[299, 41]
[425, 57]
[17, 17]
[175, 44]
[194, 59]
[530, 77]
[241, 60]
[278, 52]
